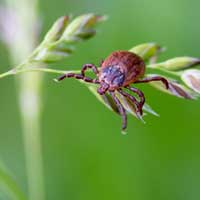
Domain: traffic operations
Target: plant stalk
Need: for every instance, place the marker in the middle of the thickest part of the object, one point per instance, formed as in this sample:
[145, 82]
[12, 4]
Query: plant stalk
[29, 86]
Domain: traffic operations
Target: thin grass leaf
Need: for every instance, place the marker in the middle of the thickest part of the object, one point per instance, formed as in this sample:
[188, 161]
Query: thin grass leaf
[56, 30]
[175, 88]
[179, 63]
[147, 108]
[191, 78]
[9, 185]
[59, 41]
[147, 51]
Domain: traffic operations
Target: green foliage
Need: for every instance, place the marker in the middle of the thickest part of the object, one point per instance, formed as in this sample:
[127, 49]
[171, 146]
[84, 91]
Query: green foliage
[9, 186]
[59, 42]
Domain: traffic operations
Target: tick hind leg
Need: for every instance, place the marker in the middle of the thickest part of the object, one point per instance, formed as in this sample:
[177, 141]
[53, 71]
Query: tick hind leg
[121, 110]
[154, 78]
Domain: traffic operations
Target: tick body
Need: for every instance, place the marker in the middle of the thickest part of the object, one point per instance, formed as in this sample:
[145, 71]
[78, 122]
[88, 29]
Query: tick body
[118, 71]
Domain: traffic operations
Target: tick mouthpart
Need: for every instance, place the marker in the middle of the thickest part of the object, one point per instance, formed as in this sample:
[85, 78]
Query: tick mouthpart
[103, 88]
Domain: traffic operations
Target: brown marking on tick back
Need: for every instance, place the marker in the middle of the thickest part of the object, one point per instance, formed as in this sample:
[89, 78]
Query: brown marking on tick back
[129, 63]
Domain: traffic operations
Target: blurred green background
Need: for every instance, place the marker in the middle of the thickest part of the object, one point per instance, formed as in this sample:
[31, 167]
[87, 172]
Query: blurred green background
[85, 155]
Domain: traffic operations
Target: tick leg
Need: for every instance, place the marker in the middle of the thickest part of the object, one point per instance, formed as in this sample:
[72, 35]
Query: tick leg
[101, 62]
[82, 75]
[78, 76]
[154, 78]
[89, 66]
[133, 99]
[121, 110]
[140, 94]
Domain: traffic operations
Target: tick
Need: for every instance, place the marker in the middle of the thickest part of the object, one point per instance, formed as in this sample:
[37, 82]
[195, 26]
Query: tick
[118, 71]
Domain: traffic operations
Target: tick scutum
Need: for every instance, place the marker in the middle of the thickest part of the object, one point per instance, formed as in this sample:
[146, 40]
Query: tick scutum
[113, 76]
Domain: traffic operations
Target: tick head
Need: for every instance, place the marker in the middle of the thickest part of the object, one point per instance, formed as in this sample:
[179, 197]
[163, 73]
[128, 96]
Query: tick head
[111, 78]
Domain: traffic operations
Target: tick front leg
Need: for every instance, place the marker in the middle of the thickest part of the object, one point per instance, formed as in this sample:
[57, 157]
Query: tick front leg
[89, 66]
[121, 110]
[135, 102]
[154, 78]
[78, 76]
[140, 94]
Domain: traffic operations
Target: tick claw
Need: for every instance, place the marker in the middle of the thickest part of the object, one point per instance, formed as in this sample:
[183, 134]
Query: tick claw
[124, 132]
[56, 80]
